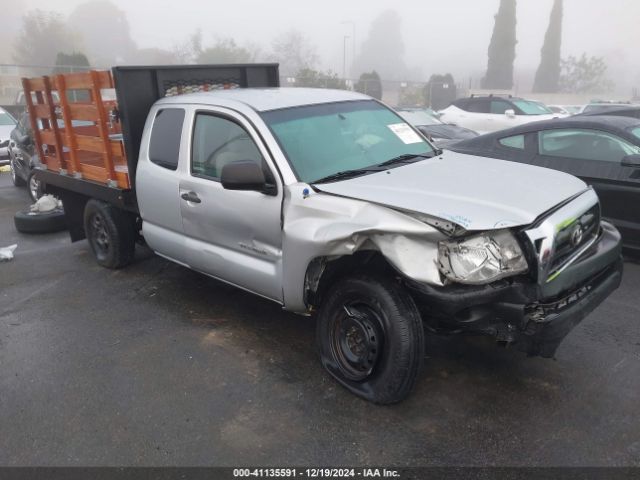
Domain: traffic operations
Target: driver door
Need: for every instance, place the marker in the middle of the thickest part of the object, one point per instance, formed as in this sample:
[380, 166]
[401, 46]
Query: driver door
[235, 236]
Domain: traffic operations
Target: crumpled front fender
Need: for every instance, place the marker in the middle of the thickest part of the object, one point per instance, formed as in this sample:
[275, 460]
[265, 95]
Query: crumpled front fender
[323, 225]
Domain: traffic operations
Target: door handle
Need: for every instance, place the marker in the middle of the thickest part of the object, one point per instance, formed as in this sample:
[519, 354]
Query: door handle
[191, 197]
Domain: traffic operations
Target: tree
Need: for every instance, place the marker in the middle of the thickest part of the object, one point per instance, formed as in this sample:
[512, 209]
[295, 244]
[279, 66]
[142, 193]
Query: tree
[42, 36]
[105, 32]
[440, 91]
[548, 74]
[224, 50]
[502, 49]
[294, 52]
[188, 51]
[585, 75]
[370, 84]
[383, 49]
[308, 77]
[72, 62]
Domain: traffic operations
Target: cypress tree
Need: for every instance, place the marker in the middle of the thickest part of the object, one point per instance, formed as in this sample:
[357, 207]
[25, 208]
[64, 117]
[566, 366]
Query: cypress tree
[548, 74]
[502, 49]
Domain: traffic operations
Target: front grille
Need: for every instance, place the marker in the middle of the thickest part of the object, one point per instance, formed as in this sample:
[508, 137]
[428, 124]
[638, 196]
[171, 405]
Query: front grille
[573, 235]
[565, 235]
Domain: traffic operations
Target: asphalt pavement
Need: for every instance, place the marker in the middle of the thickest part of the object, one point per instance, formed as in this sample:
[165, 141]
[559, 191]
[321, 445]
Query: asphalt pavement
[157, 365]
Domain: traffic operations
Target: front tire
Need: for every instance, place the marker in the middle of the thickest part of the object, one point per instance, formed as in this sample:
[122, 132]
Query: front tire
[111, 234]
[371, 339]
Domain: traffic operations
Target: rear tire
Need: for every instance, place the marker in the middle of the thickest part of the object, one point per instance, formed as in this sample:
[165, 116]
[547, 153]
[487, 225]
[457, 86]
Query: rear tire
[111, 234]
[371, 338]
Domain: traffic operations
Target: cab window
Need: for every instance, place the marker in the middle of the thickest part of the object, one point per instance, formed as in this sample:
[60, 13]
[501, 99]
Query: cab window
[585, 145]
[166, 133]
[218, 141]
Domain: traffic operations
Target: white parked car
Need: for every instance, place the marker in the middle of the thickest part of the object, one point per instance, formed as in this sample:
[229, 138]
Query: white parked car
[566, 110]
[491, 113]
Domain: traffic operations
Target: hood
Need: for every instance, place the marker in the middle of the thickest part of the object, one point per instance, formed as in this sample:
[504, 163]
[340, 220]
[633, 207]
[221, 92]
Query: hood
[474, 192]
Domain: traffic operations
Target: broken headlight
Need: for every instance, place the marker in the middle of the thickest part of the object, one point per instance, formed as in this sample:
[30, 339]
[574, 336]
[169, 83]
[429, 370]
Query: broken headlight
[482, 258]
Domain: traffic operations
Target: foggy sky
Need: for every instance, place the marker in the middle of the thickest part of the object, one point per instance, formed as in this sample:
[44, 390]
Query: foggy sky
[439, 35]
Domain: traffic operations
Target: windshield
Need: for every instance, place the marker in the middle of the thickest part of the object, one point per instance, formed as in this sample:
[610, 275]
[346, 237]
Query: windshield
[532, 108]
[6, 119]
[420, 117]
[321, 140]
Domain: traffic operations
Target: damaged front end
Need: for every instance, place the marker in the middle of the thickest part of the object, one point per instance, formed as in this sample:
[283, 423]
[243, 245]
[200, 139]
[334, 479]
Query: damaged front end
[575, 264]
[528, 286]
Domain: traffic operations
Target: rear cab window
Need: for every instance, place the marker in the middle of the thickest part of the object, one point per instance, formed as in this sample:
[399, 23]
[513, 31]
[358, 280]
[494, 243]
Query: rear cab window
[166, 135]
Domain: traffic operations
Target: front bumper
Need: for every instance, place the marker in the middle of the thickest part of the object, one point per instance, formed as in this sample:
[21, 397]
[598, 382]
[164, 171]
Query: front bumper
[536, 318]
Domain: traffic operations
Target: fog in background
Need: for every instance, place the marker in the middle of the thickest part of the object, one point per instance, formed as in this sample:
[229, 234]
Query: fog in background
[438, 36]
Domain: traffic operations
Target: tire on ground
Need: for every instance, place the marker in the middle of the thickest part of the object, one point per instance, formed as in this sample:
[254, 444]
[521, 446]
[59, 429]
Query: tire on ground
[110, 232]
[47, 222]
[371, 338]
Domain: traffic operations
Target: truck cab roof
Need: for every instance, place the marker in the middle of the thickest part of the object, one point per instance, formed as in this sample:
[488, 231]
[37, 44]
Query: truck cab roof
[266, 99]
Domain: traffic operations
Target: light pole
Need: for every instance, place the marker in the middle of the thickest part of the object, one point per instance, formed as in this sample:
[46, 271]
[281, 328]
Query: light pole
[344, 57]
[353, 39]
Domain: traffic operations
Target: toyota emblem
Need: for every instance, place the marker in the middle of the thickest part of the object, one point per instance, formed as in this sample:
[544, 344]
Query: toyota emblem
[576, 236]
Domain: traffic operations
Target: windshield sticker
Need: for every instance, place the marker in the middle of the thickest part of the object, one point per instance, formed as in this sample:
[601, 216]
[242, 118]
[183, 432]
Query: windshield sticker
[405, 133]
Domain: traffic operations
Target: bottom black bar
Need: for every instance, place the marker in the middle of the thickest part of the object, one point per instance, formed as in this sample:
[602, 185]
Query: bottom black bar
[398, 473]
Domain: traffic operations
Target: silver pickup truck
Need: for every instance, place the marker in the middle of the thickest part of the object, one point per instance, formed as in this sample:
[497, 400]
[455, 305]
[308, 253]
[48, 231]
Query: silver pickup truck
[329, 204]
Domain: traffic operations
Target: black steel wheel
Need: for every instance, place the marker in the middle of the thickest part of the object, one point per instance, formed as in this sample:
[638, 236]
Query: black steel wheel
[356, 340]
[111, 234]
[370, 337]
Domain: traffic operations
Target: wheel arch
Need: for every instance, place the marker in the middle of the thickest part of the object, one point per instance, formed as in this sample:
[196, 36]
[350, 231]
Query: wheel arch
[323, 271]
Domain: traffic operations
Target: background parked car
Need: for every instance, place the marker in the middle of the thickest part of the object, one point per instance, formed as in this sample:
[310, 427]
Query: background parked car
[632, 111]
[492, 113]
[602, 107]
[566, 110]
[440, 133]
[23, 159]
[604, 151]
[7, 124]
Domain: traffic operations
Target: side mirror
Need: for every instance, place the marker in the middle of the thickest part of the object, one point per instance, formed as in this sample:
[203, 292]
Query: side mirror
[631, 161]
[510, 113]
[243, 175]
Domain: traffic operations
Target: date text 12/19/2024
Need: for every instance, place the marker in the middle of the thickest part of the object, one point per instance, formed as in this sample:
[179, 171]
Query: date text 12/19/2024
[315, 473]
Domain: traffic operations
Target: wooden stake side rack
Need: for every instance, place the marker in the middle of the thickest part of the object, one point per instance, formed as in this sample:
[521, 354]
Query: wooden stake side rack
[79, 138]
